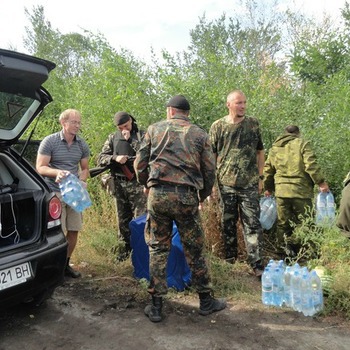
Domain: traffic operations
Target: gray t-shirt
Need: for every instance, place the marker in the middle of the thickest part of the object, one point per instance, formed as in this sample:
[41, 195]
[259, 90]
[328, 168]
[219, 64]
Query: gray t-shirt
[63, 157]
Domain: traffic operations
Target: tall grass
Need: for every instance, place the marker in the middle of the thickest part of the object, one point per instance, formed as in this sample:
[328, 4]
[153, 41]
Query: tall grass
[325, 246]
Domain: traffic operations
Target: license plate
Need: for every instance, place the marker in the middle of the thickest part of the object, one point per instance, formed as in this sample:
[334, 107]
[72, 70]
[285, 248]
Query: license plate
[15, 275]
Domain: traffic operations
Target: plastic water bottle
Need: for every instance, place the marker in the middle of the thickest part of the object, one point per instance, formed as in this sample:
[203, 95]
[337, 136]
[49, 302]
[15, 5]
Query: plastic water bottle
[264, 206]
[272, 264]
[281, 265]
[85, 200]
[307, 307]
[295, 290]
[317, 293]
[330, 207]
[74, 194]
[321, 208]
[70, 189]
[266, 287]
[296, 267]
[268, 212]
[277, 287]
[287, 277]
[68, 194]
[272, 212]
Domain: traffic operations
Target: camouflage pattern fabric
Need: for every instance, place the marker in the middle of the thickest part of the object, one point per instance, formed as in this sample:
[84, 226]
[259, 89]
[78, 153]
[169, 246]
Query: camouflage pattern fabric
[163, 208]
[291, 168]
[235, 146]
[131, 202]
[129, 197]
[110, 149]
[177, 154]
[244, 203]
[290, 210]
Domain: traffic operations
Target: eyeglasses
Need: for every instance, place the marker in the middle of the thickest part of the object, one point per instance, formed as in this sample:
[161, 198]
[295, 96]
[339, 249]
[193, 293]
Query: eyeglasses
[73, 122]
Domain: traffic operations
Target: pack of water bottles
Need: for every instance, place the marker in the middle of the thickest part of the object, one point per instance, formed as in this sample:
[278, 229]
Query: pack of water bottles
[292, 286]
[74, 194]
[325, 208]
[268, 212]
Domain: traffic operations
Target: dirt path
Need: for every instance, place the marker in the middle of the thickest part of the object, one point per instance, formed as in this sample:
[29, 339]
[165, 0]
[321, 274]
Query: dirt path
[80, 316]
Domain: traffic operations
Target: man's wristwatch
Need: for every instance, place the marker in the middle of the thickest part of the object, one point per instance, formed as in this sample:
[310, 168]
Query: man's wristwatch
[261, 177]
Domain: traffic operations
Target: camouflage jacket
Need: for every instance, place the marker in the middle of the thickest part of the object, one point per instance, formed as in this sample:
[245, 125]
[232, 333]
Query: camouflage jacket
[291, 168]
[236, 146]
[175, 151]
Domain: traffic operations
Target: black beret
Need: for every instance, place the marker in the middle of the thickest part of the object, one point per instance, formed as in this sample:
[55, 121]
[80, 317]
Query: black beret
[121, 118]
[179, 102]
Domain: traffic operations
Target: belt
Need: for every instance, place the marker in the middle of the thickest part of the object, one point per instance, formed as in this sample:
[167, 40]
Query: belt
[123, 177]
[175, 188]
[120, 177]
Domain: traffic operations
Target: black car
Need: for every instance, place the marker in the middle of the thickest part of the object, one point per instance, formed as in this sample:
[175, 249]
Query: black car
[33, 248]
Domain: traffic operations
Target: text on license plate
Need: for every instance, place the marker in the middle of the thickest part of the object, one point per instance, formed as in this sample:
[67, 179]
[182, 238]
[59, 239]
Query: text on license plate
[14, 275]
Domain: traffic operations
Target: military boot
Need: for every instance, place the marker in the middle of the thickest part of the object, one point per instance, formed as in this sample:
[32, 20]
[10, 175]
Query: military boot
[154, 311]
[208, 305]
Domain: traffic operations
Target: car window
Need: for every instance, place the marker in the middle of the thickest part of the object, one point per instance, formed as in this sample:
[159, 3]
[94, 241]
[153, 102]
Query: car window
[12, 109]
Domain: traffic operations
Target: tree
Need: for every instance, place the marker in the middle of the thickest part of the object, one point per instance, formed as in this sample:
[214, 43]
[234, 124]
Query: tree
[245, 52]
[91, 77]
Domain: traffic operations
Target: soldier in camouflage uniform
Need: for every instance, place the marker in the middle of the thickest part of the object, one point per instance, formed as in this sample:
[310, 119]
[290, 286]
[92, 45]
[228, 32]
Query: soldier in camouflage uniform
[176, 165]
[119, 152]
[343, 219]
[291, 171]
[239, 151]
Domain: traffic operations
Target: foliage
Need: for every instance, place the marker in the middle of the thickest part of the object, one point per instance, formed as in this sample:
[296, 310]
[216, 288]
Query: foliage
[319, 54]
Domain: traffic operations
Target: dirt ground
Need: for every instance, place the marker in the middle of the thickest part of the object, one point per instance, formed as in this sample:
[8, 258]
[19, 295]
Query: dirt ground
[90, 314]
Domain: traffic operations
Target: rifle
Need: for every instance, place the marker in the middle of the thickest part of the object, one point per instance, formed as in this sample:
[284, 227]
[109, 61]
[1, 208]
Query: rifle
[98, 170]
[126, 171]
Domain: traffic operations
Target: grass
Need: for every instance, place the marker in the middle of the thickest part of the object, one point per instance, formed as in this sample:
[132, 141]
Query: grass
[98, 246]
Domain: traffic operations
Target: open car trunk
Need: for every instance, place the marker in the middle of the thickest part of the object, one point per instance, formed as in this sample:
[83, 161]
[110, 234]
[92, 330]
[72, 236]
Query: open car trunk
[21, 200]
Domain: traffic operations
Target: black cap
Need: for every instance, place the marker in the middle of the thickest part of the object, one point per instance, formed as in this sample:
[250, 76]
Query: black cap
[121, 118]
[179, 102]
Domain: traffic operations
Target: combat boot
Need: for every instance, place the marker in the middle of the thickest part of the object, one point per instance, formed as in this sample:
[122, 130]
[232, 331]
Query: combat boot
[208, 304]
[154, 311]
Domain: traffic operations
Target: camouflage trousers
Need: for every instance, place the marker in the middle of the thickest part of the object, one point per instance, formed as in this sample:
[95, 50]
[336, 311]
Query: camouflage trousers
[164, 207]
[130, 202]
[290, 212]
[241, 203]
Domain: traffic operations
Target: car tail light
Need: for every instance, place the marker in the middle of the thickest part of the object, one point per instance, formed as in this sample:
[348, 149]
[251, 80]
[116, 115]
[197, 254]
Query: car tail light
[55, 209]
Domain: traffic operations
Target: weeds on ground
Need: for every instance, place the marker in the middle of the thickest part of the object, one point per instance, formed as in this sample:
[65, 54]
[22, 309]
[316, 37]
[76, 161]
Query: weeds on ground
[338, 297]
[98, 243]
[323, 246]
[319, 246]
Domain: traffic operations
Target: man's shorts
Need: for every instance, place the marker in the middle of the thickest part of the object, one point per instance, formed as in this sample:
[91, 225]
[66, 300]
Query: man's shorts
[71, 220]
